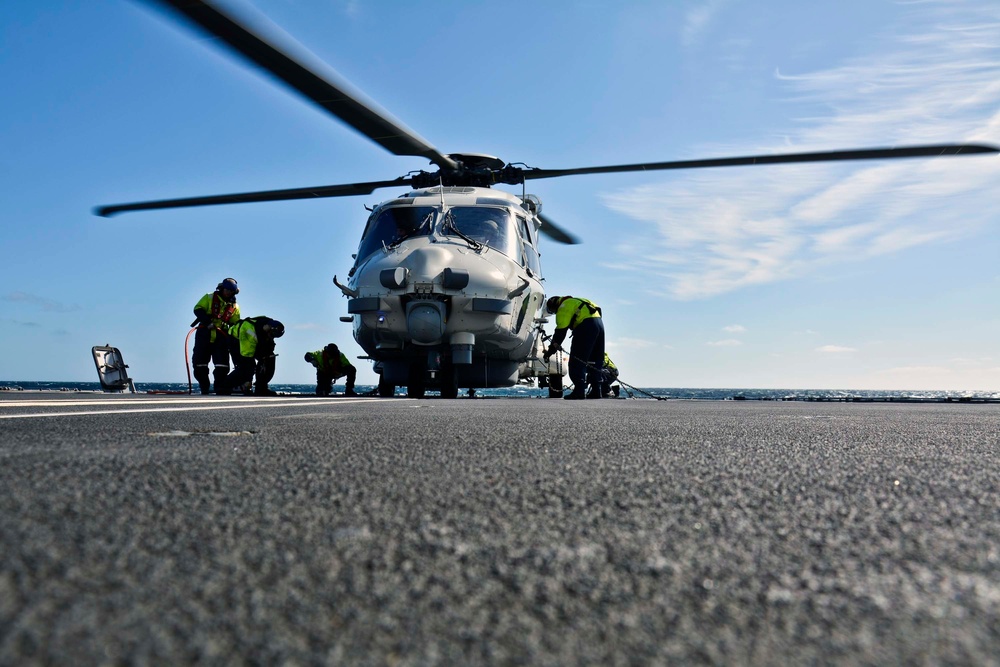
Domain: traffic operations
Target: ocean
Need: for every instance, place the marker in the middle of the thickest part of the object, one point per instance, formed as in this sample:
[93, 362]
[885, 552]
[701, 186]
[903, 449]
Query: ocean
[712, 394]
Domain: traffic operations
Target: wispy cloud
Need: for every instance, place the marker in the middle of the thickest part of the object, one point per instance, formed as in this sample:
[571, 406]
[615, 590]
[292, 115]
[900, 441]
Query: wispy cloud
[835, 349]
[729, 342]
[631, 343]
[735, 328]
[698, 18]
[20, 323]
[936, 81]
[40, 302]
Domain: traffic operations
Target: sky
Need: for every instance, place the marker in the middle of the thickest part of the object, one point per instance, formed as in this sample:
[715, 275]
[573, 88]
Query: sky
[867, 275]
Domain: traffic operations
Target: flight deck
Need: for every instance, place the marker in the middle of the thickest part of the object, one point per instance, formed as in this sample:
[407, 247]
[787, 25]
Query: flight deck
[166, 529]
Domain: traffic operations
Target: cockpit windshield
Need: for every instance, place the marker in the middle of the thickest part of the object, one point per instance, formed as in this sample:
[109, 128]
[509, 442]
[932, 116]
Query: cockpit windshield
[393, 225]
[487, 225]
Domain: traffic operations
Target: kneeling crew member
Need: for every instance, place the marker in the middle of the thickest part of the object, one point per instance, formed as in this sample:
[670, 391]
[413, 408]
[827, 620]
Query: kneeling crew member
[215, 313]
[253, 351]
[609, 374]
[332, 364]
[586, 354]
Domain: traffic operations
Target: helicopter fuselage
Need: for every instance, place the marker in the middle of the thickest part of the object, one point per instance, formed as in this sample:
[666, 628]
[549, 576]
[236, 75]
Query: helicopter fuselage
[446, 287]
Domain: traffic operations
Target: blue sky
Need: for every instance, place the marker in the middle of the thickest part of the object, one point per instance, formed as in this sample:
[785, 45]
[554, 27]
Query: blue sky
[854, 276]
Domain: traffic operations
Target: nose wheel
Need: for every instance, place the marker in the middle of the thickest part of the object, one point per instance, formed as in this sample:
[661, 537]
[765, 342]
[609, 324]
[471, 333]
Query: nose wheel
[385, 389]
[449, 386]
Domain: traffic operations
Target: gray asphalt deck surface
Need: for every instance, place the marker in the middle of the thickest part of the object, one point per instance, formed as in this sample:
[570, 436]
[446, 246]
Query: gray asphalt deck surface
[499, 531]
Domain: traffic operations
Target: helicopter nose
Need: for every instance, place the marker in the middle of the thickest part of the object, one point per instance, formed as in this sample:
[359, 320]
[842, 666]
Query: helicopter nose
[428, 262]
[453, 270]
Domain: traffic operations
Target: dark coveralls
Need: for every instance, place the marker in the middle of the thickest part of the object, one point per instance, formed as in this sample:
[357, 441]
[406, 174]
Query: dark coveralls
[583, 318]
[214, 314]
[253, 351]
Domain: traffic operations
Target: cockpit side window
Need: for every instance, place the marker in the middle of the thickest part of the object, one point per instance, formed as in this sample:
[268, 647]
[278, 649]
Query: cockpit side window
[392, 225]
[530, 254]
[487, 225]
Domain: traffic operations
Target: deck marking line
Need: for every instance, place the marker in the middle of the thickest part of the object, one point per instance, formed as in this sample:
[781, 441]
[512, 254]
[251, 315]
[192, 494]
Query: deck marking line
[270, 404]
[198, 400]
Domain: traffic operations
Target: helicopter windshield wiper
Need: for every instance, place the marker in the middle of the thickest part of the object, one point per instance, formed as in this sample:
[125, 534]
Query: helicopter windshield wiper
[414, 231]
[449, 224]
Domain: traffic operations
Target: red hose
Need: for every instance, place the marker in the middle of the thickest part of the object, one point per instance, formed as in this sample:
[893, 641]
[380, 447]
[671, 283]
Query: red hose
[187, 365]
[187, 359]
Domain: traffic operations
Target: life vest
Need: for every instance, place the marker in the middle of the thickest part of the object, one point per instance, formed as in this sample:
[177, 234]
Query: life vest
[223, 313]
[332, 363]
[335, 365]
[222, 309]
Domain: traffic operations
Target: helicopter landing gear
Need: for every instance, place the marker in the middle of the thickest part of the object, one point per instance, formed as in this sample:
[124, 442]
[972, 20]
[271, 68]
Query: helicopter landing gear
[385, 389]
[449, 386]
[416, 386]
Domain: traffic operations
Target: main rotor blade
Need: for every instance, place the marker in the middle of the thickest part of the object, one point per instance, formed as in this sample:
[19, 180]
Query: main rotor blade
[555, 232]
[345, 190]
[824, 156]
[333, 97]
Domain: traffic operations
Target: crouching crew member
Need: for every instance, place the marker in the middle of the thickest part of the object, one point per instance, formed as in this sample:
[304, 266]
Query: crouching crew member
[586, 355]
[609, 375]
[215, 313]
[332, 364]
[253, 351]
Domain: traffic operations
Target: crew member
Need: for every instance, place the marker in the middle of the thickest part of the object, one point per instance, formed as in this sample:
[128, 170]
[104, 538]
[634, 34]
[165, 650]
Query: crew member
[215, 313]
[253, 350]
[332, 364]
[586, 354]
[609, 374]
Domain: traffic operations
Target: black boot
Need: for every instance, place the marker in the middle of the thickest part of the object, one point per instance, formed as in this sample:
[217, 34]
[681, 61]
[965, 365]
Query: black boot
[201, 376]
[221, 375]
[577, 394]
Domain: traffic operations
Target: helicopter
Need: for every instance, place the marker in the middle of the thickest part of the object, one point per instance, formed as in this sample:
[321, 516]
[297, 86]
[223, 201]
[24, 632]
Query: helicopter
[446, 289]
